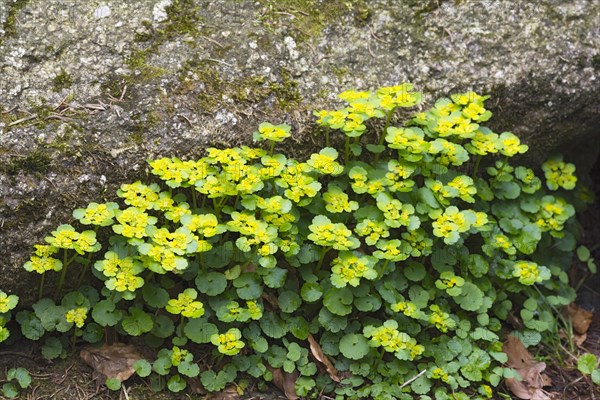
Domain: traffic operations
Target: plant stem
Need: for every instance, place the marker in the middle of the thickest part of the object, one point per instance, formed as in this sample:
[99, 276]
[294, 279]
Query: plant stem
[194, 201]
[385, 264]
[322, 258]
[346, 150]
[327, 136]
[476, 166]
[271, 148]
[387, 124]
[63, 274]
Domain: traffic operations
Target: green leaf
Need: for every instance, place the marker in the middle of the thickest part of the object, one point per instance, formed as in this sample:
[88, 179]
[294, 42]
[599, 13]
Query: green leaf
[587, 363]
[104, 313]
[583, 253]
[478, 266]
[419, 296]
[93, 333]
[198, 330]
[421, 385]
[189, 369]
[21, 375]
[339, 301]
[212, 283]
[273, 326]
[289, 301]
[596, 376]
[275, 277]
[113, 384]
[592, 266]
[294, 352]
[299, 327]
[304, 385]
[176, 384]
[354, 346]
[471, 297]
[376, 148]
[142, 368]
[248, 286]
[31, 326]
[154, 295]
[10, 390]
[163, 326]
[137, 322]
[52, 348]
[414, 271]
[311, 292]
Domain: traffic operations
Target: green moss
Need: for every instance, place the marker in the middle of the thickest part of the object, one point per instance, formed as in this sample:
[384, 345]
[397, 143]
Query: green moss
[10, 25]
[37, 161]
[310, 16]
[62, 81]
[287, 93]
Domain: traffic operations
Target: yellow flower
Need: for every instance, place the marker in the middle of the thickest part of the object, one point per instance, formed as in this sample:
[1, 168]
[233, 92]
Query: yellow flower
[77, 316]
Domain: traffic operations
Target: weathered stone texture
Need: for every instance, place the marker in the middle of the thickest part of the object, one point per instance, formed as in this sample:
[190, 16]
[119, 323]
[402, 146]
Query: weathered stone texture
[91, 89]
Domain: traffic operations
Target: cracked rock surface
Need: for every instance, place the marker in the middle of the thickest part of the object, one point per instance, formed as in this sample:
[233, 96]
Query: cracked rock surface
[89, 90]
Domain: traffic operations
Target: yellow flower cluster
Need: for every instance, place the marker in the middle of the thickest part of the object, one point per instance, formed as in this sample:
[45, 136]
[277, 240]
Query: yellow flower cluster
[328, 234]
[393, 341]
[96, 214]
[440, 319]
[530, 273]
[349, 267]
[439, 373]
[336, 201]
[407, 308]
[133, 223]
[186, 305]
[139, 195]
[451, 223]
[228, 343]
[297, 182]
[559, 174]
[274, 133]
[553, 214]
[77, 316]
[66, 237]
[371, 230]
[43, 264]
[122, 272]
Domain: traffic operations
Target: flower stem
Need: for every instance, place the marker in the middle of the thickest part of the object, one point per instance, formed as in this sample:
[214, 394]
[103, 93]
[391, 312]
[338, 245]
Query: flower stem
[385, 264]
[322, 258]
[476, 166]
[63, 275]
[347, 150]
[271, 148]
[387, 124]
[327, 136]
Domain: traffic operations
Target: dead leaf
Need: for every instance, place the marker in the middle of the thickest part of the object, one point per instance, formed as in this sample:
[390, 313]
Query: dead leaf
[318, 354]
[229, 393]
[285, 382]
[580, 318]
[112, 361]
[532, 379]
[579, 339]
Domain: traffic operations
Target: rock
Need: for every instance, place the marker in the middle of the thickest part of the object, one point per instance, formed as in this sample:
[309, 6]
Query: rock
[90, 91]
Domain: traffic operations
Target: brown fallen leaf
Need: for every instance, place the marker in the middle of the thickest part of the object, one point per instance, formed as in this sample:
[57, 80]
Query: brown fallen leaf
[318, 354]
[112, 361]
[580, 318]
[532, 379]
[285, 382]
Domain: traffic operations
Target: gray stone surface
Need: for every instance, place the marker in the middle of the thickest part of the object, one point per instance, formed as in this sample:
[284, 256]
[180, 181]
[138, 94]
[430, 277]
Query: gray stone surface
[91, 89]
